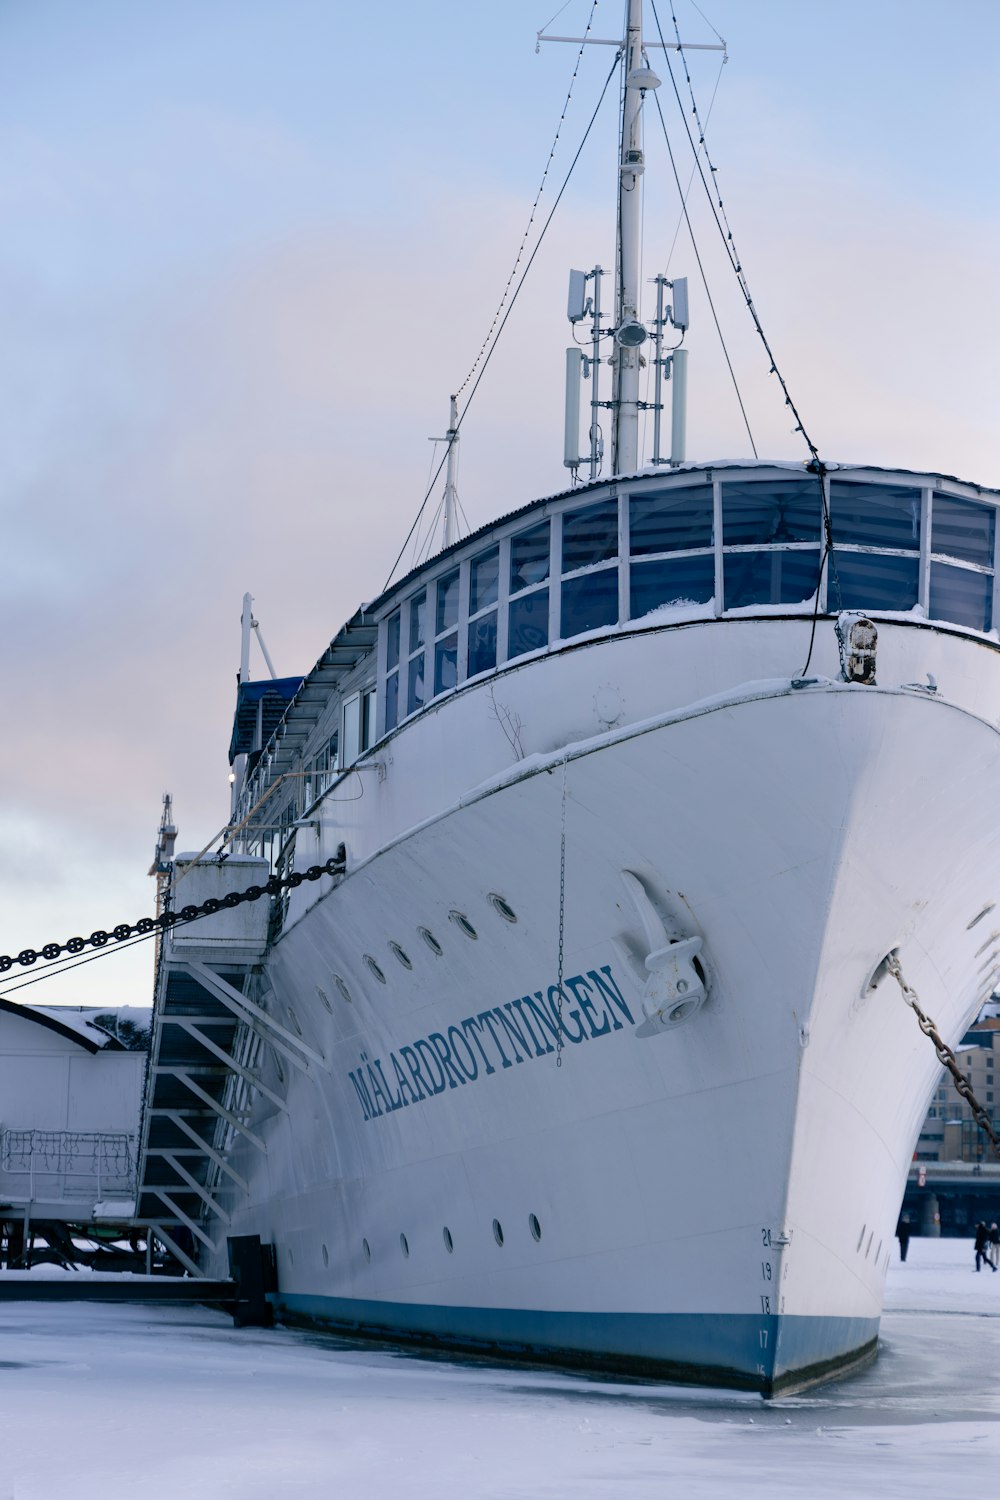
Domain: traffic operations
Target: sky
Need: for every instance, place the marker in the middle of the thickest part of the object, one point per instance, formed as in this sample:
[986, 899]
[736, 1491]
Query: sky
[248, 251]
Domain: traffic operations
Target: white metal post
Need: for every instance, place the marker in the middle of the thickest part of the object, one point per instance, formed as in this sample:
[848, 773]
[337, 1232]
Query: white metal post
[625, 449]
[451, 478]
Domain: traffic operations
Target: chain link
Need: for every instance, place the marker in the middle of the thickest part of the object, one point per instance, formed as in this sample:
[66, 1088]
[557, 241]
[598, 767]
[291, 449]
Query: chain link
[145, 925]
[944, 1054]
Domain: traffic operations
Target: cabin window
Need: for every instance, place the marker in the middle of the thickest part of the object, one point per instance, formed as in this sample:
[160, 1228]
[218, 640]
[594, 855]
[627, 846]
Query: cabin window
[392, 642]
[447, 603]
[876, 536]
[529, 623]
[446, 632]
[483, 643]
[368, 718]
[529, 557]
[484, 580]
[484, 588]
[589, 535]
[416, 694]
[963, 535]
[673, 583]
[528, 619]
[676, 520]
[352, 729]
[590, 594]
[777, 576]
[770, 535]
[670, 543]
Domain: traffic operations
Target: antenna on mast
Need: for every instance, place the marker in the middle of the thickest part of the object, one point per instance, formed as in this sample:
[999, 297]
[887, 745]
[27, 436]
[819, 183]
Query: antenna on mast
[627, 330]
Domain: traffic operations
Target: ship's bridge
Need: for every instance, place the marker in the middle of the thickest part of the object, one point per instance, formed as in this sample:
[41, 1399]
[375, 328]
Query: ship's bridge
[699, 542]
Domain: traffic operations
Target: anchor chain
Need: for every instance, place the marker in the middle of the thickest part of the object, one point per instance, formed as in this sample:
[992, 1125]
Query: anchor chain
[944, 1054]
[185, 914]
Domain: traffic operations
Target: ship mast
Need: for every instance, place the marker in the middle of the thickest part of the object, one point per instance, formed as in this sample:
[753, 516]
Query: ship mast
[630, 333]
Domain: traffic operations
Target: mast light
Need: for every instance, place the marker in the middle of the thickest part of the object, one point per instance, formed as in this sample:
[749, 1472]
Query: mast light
[631, 334]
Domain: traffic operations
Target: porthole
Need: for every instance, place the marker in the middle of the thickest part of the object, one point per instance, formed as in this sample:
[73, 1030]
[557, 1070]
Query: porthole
[878, 1255]
[860, 1238]
[324, 1000]
[404, 1244]
[449, 1243]
[984, 913]
[400, 953]
[367, 1249]
[498, 1231]
[499, 904]
[293, 1020]
[326, 1255]
[869, 1244]
[342, 987]
[463, 924]
[375, 968]
[431, 941]
[534, 1226]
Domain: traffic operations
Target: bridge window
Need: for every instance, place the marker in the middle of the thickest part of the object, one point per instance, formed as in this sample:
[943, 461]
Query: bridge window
[876, 535]
[961, 588]
[590, 593]
[672, 531]
[446, 632]
[392, 666]
[528, 620]
[416, 688]
[484, 584]
[777, 576]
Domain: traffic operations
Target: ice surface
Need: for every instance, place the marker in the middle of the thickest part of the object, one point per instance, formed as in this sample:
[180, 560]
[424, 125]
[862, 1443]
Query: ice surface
[110, 1402]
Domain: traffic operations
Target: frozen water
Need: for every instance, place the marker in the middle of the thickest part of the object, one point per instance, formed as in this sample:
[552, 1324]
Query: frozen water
[113, 1401]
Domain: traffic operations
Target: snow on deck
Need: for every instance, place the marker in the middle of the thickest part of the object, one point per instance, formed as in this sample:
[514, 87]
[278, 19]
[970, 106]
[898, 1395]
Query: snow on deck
[112, 1402]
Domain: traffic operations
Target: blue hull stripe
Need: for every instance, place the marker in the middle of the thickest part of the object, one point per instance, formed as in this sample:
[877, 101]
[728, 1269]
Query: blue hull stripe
[762, 1353]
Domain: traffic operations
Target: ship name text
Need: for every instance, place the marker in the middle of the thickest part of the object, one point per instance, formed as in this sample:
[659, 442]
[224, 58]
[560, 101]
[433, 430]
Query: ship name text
[490, 1041]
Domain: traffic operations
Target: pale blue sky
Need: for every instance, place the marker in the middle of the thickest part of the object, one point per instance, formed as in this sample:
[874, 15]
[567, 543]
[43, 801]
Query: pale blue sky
[248, 250]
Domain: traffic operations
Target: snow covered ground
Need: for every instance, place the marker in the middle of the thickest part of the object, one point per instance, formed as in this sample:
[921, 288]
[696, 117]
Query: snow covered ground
[112, 1401]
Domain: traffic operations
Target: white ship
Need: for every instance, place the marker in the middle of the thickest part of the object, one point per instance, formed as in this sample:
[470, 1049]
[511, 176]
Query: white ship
[584, 1046]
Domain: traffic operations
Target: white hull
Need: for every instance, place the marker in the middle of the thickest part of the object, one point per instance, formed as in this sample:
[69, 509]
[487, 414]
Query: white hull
[803, 834]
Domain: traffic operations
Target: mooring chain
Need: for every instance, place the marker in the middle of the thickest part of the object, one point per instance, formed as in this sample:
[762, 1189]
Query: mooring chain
[945, 1054]
[125, 930]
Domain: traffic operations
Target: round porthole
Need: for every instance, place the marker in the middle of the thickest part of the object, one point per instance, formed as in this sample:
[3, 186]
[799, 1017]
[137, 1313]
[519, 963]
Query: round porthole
[500, 905]
[463, 924]
[367, 1249]
[534, 1226]
[404, 1244]
[324, 1000]
[326, 1255]
[400, 953]
[449, 1243]
[431, 941]
[342, 987]
[498, 1231]
[375, 968]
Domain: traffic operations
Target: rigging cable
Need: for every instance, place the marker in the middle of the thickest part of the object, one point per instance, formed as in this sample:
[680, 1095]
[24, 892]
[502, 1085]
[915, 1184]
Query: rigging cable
[510, 308]
[717, 206]
[704, 278]
[715, 201]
